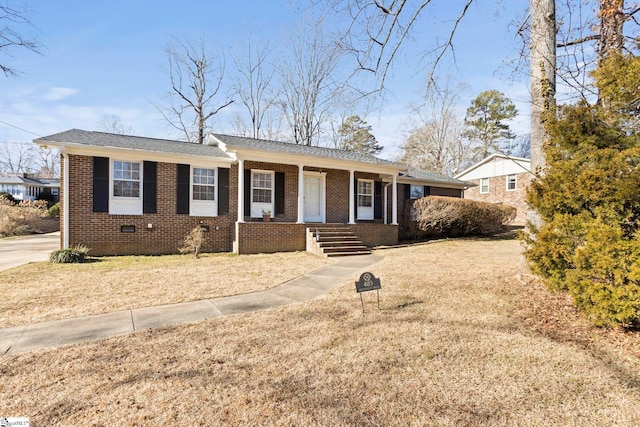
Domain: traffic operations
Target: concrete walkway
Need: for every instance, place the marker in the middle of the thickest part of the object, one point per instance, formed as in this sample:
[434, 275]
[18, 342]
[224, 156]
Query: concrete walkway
[21, 339]
[16, 251]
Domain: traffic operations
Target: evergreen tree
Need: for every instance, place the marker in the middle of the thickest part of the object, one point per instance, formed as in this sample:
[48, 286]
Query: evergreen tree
[355, 135]
[588, 199]
[485, 121]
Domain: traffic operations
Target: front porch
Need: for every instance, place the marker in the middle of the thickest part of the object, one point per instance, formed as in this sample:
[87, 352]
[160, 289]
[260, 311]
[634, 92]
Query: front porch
[269, 237]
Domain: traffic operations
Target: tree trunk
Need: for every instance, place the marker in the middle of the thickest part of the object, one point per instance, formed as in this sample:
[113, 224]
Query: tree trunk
[612, 17]
[543, 74]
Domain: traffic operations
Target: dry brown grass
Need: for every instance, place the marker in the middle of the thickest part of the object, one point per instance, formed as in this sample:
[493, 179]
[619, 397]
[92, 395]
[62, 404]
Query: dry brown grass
[42, 291]
[459, 342]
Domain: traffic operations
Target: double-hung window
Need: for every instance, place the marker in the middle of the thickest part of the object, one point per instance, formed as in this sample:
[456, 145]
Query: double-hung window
[203, 192]
[126, 179]
[511, 182]
[365, 199]
[484, 185]
[126, 188]
[262, 193]
[417, 191]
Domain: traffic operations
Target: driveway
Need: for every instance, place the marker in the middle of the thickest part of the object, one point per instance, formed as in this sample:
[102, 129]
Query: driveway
[16, 251]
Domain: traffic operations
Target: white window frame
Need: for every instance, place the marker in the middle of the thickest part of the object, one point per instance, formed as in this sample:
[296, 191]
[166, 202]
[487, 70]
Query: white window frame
[203, 207]
[258, 207]
[482, 185]
[121, 205]
[515, 182]
[365, 212]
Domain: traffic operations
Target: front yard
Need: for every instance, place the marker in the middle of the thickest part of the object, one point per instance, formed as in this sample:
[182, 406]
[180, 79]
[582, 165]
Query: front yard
[459, 340]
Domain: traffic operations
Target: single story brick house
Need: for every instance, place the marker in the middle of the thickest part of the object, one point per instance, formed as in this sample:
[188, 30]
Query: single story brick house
[23, 186]
[135, 195]
[500, 179]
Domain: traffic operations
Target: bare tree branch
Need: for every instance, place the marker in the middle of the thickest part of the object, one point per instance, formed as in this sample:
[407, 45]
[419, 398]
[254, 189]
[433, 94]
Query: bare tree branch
[10, 38]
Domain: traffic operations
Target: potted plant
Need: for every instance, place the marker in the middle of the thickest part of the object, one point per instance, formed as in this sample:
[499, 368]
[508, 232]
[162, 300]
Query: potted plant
[266, 215]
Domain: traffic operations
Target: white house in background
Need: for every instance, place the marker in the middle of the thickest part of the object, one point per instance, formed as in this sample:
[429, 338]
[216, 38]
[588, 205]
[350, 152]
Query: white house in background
[24, 187]
[500, 179]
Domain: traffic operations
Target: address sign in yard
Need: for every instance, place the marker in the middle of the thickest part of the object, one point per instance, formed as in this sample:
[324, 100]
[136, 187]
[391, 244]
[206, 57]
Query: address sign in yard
[368, 282]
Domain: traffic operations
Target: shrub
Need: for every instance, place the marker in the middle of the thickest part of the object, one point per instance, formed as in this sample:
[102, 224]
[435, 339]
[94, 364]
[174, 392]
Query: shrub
[18, 219]
[588, 242]
[54, 211]
[436, 216]
[75, 254]
[7, 196]
[193, 242]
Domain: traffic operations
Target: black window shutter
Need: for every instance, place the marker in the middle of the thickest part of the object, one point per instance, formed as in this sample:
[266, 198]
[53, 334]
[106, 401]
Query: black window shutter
[101, 184]
[149, 187]
[183, 176]
[247, 192]
[279, 196]
[355, 196]
[427, 191]
[377, 199]
[406, 193]
[223, 191]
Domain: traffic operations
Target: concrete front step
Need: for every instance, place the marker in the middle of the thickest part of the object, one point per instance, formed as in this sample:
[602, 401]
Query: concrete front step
[334, 249]
[334, 254]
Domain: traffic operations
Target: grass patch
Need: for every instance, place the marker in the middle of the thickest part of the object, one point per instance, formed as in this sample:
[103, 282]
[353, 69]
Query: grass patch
[40, 292]
[458, 341]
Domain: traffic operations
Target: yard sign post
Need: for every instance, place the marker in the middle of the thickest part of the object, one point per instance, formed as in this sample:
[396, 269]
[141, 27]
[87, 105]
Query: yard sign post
[368, 282]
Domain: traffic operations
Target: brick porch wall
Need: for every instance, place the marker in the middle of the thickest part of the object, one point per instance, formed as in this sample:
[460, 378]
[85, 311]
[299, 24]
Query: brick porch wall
[100, 231]
[261, 237]
[498, 194]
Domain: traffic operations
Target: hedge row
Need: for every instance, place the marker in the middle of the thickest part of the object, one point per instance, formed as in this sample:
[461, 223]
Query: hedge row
[436, 216]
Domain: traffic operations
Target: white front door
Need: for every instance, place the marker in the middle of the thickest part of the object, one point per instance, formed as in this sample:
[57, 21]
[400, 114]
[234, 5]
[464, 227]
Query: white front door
[365, 199]
[314, 197]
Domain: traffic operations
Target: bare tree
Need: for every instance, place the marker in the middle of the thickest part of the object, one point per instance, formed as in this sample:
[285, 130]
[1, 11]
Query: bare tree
[17, 158]
[436, 135]
[113, 123]
[10, 38]
[307, 85]
[47, 161]
[253, 86]
[379, 29]
[196, 84]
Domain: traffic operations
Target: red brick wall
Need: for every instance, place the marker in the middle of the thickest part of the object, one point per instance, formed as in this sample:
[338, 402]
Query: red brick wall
[101, 231]
[376, 234]
[498, 194]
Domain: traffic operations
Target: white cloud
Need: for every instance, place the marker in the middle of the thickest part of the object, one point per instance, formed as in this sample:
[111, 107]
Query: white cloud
[58, 93]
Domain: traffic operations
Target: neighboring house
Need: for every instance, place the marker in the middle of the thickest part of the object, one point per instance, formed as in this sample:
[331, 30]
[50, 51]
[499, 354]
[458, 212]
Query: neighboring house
[135, 195]
[500, 179]
[25, 187]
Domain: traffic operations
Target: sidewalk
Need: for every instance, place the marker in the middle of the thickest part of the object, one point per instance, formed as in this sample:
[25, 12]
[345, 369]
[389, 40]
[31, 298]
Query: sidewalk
[21, 339]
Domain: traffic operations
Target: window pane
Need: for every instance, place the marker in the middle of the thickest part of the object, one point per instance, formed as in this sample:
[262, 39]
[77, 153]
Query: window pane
[203, 192]
[204, 176]
[365, 187]
[261, 180]
[417, 191]
[365, 201]
[261, 196]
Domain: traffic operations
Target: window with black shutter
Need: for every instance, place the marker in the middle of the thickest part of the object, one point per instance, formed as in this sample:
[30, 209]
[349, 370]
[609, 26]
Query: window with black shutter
[101, 184]
[183, 180]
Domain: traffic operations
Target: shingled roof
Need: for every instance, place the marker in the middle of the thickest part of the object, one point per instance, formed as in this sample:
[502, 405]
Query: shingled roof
[138, 143]
[288, 148]
[424, 175]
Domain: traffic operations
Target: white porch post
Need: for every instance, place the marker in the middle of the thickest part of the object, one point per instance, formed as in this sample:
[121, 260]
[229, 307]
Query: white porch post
[65, 201]
[352, 217]
[300, 194]
[240, 190]
[394, 201]
[386, 203]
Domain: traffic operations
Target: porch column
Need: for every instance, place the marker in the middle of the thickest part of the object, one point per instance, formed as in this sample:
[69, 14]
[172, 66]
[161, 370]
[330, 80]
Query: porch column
[300, 194]
[352, 216]
[394, 201]
[386, 203]
[65, 201]
[240, 190]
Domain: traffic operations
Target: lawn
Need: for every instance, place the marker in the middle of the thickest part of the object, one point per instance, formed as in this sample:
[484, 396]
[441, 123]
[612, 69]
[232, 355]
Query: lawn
[43, 291]
[460, 340]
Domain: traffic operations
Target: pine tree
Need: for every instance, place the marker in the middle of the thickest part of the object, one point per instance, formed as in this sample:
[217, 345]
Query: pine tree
[355, 135]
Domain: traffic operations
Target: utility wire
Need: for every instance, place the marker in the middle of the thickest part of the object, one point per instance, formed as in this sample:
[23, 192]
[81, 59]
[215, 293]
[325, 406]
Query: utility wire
[19, 128]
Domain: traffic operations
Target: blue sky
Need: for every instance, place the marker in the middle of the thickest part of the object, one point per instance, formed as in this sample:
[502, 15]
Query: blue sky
[102, 57]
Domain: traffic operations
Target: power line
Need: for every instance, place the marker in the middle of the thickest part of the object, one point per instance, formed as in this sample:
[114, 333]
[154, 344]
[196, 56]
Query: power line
[19, 128]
